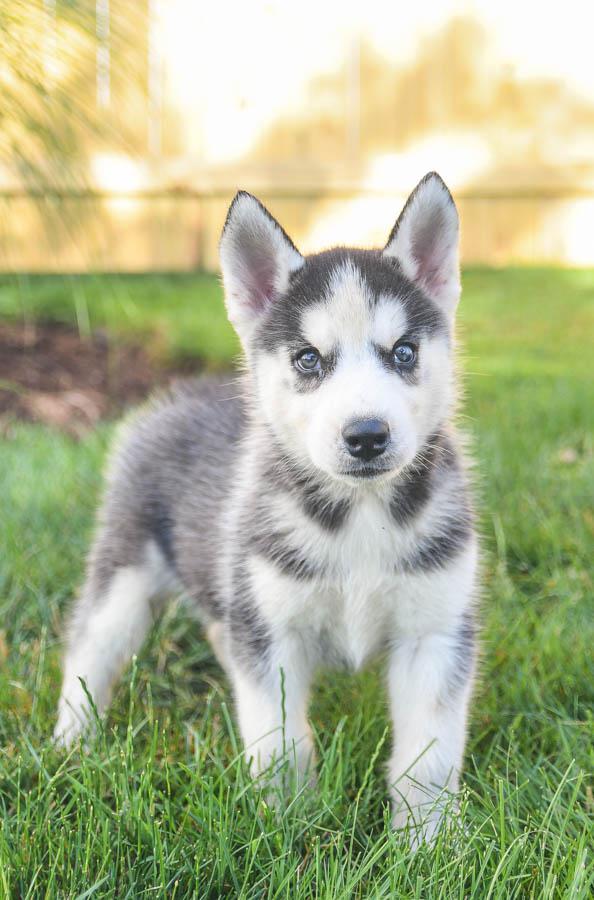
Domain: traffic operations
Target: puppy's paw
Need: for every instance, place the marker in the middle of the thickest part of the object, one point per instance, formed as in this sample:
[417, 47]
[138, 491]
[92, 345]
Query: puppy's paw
[421, 821]
[416, 828]
[70, 728]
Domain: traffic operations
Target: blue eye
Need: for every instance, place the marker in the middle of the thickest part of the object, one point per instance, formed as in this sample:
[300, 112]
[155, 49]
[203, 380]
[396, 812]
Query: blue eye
[404, 353]
[308, 361]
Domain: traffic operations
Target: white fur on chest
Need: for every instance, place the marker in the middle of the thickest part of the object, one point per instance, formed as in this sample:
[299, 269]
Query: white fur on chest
[351, 607]
[363, 599]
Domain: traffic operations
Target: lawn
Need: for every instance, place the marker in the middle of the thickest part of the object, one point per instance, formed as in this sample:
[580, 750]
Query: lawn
[162, 805]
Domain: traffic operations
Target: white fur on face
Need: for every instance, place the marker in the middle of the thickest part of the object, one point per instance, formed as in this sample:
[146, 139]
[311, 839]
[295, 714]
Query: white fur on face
[360, 388]
[346, 318]
[342, 319]
[347, 323]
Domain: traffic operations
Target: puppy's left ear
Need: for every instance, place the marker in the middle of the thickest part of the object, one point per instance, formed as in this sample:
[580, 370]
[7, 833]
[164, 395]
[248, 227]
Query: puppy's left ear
[425, 241]
[257, 259]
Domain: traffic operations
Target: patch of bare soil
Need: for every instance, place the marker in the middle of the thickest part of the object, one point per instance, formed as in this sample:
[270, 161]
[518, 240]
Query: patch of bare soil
[49, 374]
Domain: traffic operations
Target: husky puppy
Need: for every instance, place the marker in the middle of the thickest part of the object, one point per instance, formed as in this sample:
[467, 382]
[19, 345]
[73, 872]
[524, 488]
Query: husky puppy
[316, 516]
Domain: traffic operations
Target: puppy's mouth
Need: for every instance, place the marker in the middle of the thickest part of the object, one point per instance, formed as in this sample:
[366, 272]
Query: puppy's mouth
[365, 472]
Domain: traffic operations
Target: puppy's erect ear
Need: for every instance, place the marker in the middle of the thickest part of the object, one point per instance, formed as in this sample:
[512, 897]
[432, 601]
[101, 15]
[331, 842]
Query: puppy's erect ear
[257, 258]
[425, 241]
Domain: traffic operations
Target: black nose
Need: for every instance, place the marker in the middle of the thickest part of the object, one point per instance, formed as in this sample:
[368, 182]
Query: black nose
[366, 438]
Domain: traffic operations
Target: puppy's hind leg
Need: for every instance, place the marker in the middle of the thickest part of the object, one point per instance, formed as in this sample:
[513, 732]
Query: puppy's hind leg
[109, 624]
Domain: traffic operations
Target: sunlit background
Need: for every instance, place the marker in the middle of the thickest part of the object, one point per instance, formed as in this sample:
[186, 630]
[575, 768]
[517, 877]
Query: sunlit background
[126, 127]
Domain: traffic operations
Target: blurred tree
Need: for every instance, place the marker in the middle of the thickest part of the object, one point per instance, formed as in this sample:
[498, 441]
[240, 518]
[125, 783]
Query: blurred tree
[61, 64]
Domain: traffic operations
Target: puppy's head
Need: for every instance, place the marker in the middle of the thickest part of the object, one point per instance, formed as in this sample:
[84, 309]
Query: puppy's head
[350, 349]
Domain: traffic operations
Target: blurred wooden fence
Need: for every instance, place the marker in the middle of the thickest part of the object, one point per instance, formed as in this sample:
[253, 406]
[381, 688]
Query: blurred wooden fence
[180, 231]
[329, 129]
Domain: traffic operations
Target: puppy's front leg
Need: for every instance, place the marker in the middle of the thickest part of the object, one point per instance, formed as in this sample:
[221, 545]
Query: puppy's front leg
[430, 681]
[272, 699]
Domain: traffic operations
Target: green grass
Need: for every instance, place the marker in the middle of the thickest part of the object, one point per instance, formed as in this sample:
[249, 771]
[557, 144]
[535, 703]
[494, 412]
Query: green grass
[162, 805]
[180, 316]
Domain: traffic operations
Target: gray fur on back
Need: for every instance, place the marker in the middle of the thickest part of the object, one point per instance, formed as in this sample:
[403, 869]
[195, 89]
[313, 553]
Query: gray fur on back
[168, 481]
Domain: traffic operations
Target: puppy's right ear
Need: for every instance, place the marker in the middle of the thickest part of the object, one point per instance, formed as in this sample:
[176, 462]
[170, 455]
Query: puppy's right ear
[257, 259]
